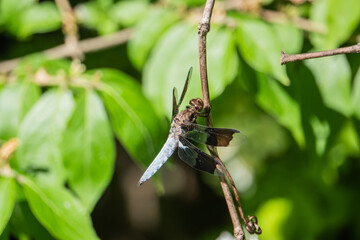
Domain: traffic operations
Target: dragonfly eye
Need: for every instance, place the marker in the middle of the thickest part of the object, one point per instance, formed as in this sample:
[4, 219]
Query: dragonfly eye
[197, 103]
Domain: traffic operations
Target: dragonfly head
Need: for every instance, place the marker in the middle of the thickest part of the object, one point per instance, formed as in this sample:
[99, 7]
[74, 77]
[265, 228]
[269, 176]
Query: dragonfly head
[197, 103]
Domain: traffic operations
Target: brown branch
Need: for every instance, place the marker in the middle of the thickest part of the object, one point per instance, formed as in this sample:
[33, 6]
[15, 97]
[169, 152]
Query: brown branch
[87, 45]
[203, 29]
[70, 28]
[238, 231]
[285, 58]
[251, 225]
[301, 23]
[254, 7]
[7, 149]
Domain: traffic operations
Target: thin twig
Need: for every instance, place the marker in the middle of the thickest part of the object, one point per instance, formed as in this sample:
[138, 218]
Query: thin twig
[238, 231]
[285, 58]
[273, 16]
[301, 23]
[203, 29]
[7, 149]
[70, 28]
[251, 224]
[86, 46]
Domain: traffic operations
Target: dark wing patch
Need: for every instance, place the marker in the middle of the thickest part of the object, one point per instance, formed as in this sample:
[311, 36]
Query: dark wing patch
[196, 158]
[220, 137]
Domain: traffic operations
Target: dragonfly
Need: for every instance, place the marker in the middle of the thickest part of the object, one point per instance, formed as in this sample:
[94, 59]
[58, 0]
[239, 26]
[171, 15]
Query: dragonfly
[183, 130]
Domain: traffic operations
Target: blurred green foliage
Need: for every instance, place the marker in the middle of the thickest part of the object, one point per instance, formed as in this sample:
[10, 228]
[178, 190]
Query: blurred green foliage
[298, 171]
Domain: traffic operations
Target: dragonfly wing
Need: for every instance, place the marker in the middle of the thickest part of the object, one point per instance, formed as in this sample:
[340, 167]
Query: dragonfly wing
[175, 108]
[196, 158]
[185, 88]
[220, 137]
[166, 151]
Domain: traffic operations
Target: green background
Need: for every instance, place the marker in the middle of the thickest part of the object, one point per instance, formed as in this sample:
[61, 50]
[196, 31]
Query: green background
[88, 133]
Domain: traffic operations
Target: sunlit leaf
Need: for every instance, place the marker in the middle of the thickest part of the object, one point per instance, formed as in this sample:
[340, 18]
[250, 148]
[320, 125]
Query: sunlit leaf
[339, 29]
[40, 135]
[10, 11]
[30, 64]
[356, 95]
[169, 64]
[156, 21]
[58, 211]
[128, 13]
[186, 3]
[132, 116]
[93, 15]
[291, 37]
[275, 100]
[321, 130]
[39, 18]
[260, 46]
[88, 149]
[273, 215]
[7, 200]
[333, 77]
[15, 101]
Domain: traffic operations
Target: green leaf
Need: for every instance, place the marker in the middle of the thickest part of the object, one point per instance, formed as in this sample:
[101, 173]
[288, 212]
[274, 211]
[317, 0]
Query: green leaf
[156, 21]
[30, 64]
[261, 47]
[40, 135]
[132, 116]
[7, 200]
[339, 29]
[273, 98]
[93, 15]
[88, 149]
[128, 13]
[10, 11]
[178, 48]
[275, 213]
[15, 101]
[23, 222]
[58, 211]
[291, 38]
[356, 95]
[185, 3]
[39, 18]
[321, 130]
[333, 77]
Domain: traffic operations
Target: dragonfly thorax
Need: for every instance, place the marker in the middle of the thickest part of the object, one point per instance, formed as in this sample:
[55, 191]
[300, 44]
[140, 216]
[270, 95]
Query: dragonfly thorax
[197, 103]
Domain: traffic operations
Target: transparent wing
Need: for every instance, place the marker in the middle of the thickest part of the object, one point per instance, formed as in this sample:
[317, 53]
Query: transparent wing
[185, 88]
[196, 158]
[221, 137]
[175, 107]
[166, 151]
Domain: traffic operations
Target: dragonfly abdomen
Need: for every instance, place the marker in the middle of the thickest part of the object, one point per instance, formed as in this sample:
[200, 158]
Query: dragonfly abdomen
[166, 151]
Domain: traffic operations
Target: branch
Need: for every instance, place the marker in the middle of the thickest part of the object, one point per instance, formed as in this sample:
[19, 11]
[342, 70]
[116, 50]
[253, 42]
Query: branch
[87, 45]
[251, 226]
[7, 149]
[301, 23]
[70, 28]
[253, 7]
[285, 58]
[203, 29]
